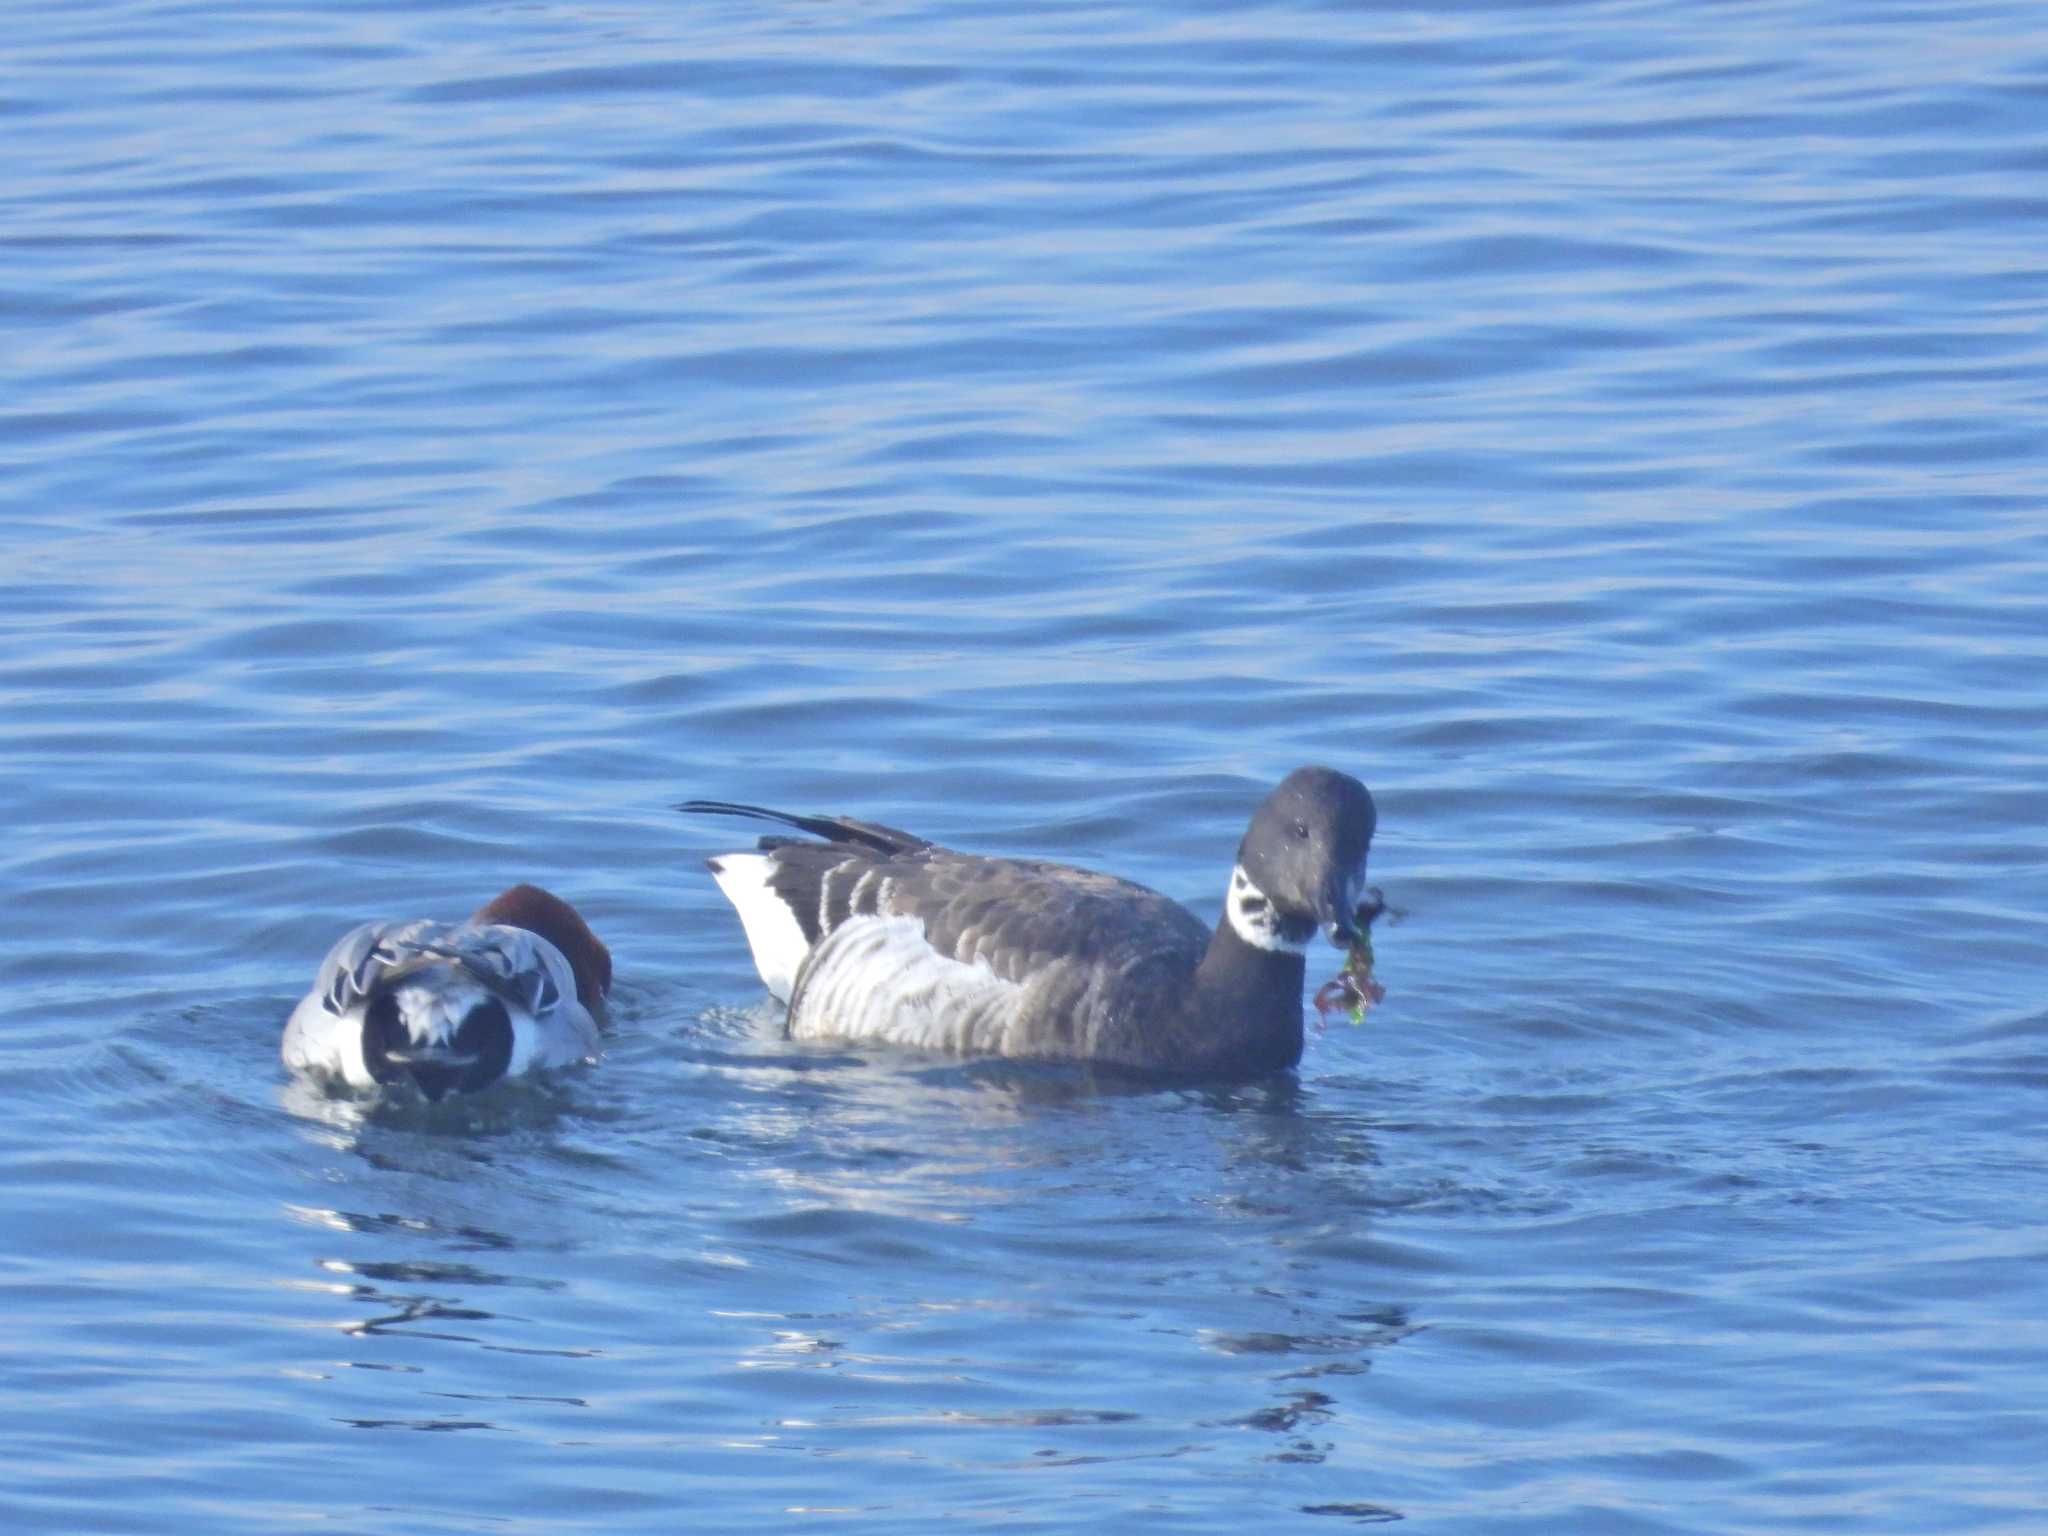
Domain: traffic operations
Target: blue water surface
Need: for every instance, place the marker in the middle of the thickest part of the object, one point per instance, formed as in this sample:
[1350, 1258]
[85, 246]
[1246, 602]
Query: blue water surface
[437, 437]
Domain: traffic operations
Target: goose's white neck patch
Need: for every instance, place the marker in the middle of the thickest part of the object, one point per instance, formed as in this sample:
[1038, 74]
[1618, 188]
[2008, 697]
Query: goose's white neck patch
[1252, 917]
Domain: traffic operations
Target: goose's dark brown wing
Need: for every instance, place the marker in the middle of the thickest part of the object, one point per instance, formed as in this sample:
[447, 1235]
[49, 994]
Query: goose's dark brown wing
[909, 942]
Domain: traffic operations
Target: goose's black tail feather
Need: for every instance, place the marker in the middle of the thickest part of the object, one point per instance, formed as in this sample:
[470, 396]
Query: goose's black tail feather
[834, 829]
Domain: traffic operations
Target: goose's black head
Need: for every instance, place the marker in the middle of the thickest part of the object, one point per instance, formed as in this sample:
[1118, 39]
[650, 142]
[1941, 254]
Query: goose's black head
[1305, 854]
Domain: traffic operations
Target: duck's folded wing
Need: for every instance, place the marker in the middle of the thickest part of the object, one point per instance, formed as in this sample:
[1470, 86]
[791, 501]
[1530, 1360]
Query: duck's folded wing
[520, 966]
[364, 957]
[516, 965]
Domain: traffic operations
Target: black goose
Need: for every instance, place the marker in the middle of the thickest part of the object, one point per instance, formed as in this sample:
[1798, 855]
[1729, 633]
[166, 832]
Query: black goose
[876, 934]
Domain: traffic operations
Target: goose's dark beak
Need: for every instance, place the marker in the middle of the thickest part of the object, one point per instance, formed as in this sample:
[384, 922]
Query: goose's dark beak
[1338, 916]
[1347, 915]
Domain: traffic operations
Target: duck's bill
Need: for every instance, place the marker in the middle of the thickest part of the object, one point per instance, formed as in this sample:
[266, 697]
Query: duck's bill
[433, 1056]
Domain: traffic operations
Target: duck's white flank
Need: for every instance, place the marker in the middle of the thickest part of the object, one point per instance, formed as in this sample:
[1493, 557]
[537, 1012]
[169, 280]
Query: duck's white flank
[317, 1043]
[773, 933]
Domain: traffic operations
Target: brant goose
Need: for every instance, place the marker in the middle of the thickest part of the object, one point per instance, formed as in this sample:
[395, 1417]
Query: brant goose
[453, 1007]
[876, 934]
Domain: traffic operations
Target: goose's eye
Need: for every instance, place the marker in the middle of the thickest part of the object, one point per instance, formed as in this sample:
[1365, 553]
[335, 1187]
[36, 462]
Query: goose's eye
[1301, 830]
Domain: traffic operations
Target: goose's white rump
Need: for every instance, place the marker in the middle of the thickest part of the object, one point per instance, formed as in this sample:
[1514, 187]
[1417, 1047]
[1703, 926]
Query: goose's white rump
[773, 933]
